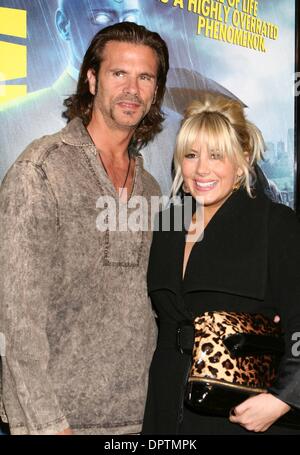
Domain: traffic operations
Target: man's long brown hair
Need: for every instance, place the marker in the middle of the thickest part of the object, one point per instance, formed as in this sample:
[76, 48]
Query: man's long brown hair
[81, 103]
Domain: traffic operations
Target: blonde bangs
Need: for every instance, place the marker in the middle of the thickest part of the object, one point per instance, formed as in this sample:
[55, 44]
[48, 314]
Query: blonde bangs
[218, 123]
[214, 131]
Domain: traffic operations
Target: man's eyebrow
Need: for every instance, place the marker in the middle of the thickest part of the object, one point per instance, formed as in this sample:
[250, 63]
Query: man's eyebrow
[96, 12]
[143, 73]
[113, 11]
[112, 70]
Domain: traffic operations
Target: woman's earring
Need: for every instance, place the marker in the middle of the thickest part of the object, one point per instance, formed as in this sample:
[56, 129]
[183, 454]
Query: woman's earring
[237, 184]
[185, 190]
[238, 180]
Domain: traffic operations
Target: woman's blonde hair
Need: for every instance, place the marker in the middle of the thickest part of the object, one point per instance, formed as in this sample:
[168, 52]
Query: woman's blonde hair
[219, 122]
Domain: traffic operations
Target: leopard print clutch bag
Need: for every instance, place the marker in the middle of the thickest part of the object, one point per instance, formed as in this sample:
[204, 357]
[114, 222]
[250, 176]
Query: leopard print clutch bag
[235, 355]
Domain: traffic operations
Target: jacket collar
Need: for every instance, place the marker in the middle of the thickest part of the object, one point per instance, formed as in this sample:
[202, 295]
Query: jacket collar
[231, 257]
[76, 134]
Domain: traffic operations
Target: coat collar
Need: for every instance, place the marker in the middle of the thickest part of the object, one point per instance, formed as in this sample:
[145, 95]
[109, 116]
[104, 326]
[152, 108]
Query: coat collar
[231, 257]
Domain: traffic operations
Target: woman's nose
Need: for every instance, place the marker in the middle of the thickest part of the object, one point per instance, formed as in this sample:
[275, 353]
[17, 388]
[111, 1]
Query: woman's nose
[203, 167]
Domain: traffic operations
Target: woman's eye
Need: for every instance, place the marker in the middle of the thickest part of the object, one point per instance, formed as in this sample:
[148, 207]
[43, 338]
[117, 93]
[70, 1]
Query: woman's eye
[190, 155]
[215, 156]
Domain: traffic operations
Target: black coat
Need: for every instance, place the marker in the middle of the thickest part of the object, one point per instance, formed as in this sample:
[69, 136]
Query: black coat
[248, 260]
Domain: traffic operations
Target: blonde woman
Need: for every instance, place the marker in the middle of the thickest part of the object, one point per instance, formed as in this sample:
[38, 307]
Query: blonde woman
[246, 259]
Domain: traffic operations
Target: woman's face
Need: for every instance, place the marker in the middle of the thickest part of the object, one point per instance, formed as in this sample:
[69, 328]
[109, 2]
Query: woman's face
[209, 176]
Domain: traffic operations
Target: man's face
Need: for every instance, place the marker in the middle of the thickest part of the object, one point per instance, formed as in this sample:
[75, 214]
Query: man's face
[126, 84]
[87, 17]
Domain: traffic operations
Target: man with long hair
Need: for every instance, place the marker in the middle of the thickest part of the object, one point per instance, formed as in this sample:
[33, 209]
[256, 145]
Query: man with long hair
[39, 112]
[76, 22]
[79, 330]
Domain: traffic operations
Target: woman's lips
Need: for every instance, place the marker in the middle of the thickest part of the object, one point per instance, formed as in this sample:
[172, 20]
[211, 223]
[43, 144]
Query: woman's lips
[205, 185]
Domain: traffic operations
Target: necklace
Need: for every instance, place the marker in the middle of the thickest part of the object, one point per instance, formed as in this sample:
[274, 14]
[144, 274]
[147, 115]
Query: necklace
[127, 173]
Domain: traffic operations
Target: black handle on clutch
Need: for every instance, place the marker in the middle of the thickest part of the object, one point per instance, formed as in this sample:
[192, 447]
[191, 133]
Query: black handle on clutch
[244, 344]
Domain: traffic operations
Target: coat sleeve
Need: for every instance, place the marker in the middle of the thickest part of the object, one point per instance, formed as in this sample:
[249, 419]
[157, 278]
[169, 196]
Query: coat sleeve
[28, 230]
[284, 269]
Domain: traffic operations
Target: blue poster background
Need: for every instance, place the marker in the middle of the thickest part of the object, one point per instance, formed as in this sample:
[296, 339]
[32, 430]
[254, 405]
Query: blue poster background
[263, 81]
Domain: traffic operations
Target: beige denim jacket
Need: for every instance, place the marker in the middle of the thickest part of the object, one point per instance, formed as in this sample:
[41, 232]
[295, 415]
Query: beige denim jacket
[78, 327]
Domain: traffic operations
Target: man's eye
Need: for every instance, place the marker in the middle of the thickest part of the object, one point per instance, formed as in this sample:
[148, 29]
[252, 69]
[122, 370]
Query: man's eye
[102, 19]
[145, 77]
[131, 18]
[119, 73]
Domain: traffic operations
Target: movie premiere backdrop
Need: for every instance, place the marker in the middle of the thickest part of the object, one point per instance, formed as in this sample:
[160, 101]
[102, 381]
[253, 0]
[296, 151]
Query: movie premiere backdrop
[243, 48]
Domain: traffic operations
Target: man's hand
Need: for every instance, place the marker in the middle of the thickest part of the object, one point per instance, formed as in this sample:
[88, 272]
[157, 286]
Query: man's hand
[65, 432]
[259, 413]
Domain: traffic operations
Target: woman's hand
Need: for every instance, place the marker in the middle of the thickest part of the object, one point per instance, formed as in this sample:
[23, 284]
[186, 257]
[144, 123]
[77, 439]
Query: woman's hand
[258, 413]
